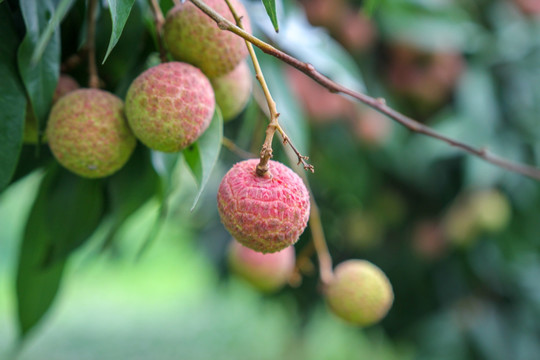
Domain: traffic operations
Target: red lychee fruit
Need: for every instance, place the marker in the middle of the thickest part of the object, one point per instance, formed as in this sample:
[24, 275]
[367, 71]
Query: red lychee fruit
[233, 90]
[192, 36]
[88, 133]
[265, 272]
[66, 84]
[169, 106]
[265, 213]
[359, 293]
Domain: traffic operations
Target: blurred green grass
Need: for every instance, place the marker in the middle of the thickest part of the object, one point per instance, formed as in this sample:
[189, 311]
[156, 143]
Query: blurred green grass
[170, 304]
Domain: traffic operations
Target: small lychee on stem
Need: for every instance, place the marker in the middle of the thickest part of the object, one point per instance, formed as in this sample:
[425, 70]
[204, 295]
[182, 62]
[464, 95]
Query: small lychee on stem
[266, 151]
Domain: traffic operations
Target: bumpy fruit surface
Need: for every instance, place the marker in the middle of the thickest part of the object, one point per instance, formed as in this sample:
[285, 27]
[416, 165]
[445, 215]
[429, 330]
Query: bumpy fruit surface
[266, 272]
[66, 84]
[192, 36]
[169, 106]
[88, 133]
[233, 90]
[265, 213]
[360, 293]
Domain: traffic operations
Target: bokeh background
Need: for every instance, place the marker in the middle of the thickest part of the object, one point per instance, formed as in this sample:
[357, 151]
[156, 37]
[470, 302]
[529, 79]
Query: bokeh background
[458, 238]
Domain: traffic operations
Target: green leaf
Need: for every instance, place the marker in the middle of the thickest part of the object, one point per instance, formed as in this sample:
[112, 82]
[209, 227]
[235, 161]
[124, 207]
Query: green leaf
[61, 11]
[120, 10]
[12, 100]
[369, 6]
[39, 78]
[270, 6]
[131, 187]
[202, 156]
[65, 212]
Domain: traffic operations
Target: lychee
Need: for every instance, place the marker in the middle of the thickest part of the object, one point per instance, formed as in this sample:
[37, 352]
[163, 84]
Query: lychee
[233, 90]
[265, 213]
[265, 272]
[169, 106]
[359, 293]
[192, 36]
[66, 84]
[88, 133]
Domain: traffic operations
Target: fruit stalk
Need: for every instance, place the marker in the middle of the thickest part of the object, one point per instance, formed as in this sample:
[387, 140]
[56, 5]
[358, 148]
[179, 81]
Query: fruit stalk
[377, 104]
[159, 20]
[93, 79]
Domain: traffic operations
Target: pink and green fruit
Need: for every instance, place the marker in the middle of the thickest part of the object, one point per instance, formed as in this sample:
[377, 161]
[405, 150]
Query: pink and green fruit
[88, 133]
[233, 90]
[169, 106]
[264, 213]
[192, 36]
[265, 272]
[359, 293]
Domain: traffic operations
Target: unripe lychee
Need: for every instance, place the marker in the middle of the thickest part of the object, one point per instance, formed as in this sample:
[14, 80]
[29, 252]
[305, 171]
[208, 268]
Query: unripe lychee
[169, 106]
[359, 293]
[266, 272]
[192, 36]
[265, 213]
[232, 91]
[66, 84]
[88, 133]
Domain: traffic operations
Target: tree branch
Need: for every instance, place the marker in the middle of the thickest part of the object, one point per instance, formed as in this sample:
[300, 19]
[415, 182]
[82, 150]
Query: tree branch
[377, 104]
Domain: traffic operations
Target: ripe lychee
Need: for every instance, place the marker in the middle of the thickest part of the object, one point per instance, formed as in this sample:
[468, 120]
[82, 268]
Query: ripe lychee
[66, 84]
[359, 293]
[88, 133]
[169, 106]
[192, 36]
[265, 213]
[266, 272]
[233, 90]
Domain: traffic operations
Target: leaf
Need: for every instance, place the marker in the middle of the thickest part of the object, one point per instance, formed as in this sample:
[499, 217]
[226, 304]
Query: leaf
[131, 187]
[120, 10]
[66, 211]
[39, 79]
[270, 6]
[202, 156]
[12, 101]
[61, 11]
[370, 5]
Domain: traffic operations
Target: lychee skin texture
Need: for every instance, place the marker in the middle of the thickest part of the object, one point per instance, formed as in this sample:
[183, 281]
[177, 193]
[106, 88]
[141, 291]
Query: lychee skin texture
[360, 293]
[192, 36]
[266, 272]
[66, 84]
[88, 133]
[169, 106]
[233, 91]
[268, 213]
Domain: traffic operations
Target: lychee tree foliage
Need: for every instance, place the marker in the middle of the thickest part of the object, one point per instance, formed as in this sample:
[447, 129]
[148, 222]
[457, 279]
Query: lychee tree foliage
[96, 175]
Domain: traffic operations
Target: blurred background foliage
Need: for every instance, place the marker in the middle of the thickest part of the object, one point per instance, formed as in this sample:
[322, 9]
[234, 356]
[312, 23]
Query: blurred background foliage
[458, 238]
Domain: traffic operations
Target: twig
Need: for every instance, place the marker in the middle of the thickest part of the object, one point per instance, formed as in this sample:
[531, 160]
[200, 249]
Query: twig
[266, 151]
[159, 20]
[377, 104]
[229, 144]
[93, 79]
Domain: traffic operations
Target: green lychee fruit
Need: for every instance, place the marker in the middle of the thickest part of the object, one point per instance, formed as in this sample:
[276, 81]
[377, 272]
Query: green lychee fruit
[169, 106]
[88, 133]
[265, 272]
[66, 84]
[492, 209]
[359, 293]
[192, 36]
[264, 213]
[233, 90]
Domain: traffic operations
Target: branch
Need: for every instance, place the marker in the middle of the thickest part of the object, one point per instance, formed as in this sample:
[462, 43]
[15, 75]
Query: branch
[241, 153]
[93, 79]
[266, 151]
[159, 20]
[377, 104]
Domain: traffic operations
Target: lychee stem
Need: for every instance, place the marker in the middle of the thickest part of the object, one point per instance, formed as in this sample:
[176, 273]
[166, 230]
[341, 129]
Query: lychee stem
[266, 150]
[93, 79]
[377, 104]
[159, 21]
